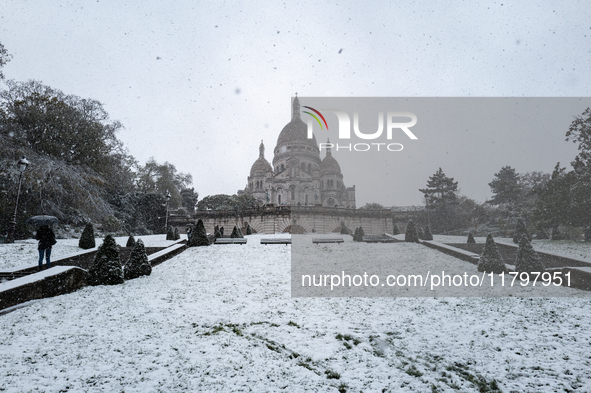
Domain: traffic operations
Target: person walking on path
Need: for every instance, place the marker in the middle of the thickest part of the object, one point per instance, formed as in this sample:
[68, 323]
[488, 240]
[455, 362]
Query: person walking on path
[46, 239]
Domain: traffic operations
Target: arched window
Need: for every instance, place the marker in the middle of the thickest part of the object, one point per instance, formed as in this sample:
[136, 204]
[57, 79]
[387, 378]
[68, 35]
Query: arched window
[309, 168]
[306, 201]
[293, 189]
[303, 166]
[282, 167]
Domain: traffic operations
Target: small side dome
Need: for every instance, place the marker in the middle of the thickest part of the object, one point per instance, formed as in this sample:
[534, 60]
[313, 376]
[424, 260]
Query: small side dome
[329, 164]
[261, 164]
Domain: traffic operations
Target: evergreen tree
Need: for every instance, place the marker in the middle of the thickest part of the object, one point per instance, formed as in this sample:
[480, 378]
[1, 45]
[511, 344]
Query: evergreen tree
[199, 235]
[520, 231]
[421, 233]
[189, 199]
[359, 233]
[170, 233]
[491, 259]
[87, 239]
[506, 187]
[396, 230]
[428, 235]
[130, 241]
[554, 203]
[106, 268]
[411, 235]
[236, 233]
[248, 229]
[471, 239]
[527, 259]
[138, 264]
[441, 200]
[344, 229]
[556, 234]
[177, 234]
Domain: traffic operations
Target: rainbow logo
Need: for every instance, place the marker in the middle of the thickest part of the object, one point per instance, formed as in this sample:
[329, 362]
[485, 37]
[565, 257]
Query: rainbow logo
[314, 116]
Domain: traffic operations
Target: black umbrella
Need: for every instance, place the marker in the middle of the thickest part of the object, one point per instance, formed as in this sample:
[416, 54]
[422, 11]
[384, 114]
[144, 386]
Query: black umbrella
[42, 220]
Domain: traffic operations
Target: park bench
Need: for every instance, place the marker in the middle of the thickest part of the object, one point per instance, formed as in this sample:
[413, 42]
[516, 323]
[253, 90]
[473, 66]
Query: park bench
[276, 241]
[223, 240]
[318, 240]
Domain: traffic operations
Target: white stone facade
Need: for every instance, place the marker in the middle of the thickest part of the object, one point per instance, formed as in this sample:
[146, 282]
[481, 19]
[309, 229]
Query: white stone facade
[298, 177]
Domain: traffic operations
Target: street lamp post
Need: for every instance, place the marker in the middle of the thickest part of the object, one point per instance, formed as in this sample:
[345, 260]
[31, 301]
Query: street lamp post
[167, 196]
[22, 166]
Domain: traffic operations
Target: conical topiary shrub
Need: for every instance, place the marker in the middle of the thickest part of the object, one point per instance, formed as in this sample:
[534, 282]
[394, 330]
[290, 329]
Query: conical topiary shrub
[236, 233]
[344, 229]
[520, 231]
[177, 234]
[87, 239]
[471, 239]
[396, 230]
[359, 233]
[491, 259]
[527, 259]
[428, 235]
[138, 264]
[248, 229]
[556, 235]
[130, 241]
[106, 268]
[411, 235]
[199, 235]
[421, 233]
[542, 234]
[170, 233]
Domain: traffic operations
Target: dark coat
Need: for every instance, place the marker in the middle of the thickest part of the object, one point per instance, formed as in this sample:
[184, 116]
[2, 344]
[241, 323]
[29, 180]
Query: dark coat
[46, 237]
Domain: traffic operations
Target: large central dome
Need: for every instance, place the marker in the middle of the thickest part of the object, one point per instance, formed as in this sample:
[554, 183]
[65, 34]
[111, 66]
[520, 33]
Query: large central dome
[296, 131]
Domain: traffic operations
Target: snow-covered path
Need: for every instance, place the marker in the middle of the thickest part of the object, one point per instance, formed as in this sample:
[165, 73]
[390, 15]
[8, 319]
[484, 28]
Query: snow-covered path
[221, 318]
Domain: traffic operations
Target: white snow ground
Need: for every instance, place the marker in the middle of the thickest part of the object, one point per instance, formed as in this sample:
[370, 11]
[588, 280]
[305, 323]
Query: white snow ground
[221, 318]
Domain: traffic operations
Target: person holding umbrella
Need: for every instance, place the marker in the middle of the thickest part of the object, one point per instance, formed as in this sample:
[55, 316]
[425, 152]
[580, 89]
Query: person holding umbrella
[46, 239]
[45, 236]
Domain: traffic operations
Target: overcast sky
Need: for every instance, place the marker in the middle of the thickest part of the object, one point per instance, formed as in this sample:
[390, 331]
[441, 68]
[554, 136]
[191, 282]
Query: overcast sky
[199, 84]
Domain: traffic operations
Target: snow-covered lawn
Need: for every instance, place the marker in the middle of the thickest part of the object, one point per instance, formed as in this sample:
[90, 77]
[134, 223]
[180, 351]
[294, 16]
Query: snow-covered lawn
[221, 318]
[24, 252]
